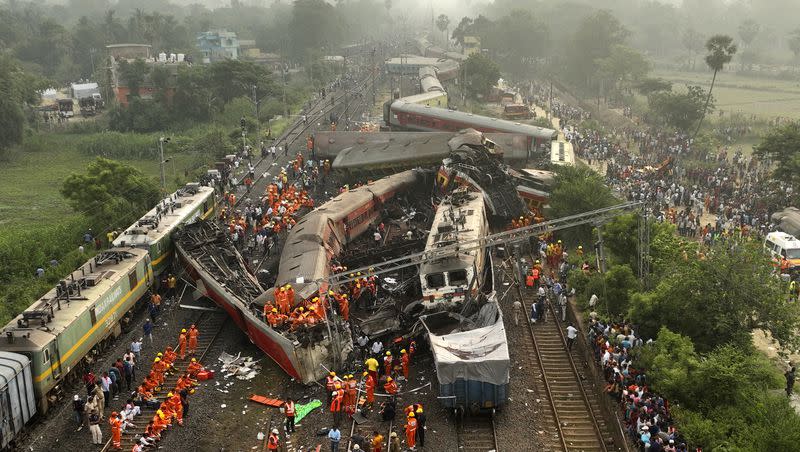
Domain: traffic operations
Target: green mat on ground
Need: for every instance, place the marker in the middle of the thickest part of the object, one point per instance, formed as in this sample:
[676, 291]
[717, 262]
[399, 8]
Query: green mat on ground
[301, 411]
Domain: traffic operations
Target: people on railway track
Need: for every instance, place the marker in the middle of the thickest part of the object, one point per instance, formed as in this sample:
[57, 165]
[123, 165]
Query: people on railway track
[411, 430]
[394, 442]
[273, 441]
[572, 333]
[182, 343]
[334, 435]
[94, 427]
[193, 334]
[289, 411]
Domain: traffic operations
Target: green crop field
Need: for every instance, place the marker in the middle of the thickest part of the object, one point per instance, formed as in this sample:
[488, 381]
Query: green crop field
[764, 97]
[30, 182]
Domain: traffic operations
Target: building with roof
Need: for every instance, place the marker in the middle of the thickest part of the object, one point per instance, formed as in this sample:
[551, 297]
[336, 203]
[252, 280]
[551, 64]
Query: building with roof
[217, 45]
[472, 44]
[129, 51]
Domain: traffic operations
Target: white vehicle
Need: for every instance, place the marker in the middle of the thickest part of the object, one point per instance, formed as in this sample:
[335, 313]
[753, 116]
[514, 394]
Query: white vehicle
[781, 245]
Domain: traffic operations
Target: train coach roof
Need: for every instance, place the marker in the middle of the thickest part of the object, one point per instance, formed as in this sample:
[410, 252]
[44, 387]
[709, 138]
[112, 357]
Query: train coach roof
[500, 125]
[169, 213]
[478, 355]
[426, 151]
[102, 294]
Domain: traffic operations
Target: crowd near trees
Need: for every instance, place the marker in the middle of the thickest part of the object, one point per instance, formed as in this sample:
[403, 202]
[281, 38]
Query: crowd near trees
[700, 307]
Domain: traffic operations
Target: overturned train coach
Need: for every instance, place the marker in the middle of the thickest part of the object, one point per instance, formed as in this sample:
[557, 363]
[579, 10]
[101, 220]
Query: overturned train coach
[306, 263]
[403, 115]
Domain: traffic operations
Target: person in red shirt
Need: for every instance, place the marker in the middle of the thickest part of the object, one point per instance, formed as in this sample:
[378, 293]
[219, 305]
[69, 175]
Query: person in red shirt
[405, 361]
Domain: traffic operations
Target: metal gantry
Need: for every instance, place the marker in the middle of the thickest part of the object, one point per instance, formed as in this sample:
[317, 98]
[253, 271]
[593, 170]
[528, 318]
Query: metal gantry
[510, 237]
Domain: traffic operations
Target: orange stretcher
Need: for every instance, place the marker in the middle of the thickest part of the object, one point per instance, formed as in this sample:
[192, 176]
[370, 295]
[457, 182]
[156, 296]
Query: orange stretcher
[266, 401]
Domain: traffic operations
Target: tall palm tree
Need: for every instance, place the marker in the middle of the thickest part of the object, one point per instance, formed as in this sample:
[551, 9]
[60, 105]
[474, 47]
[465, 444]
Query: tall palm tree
[442, 22]
[721, 50]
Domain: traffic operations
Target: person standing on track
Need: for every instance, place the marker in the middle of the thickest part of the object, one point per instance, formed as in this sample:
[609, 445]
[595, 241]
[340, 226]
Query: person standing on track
[411, 431]
[421, 427]
[288, 408]
[94, 428]
[193, 333]
[572, 333]
[182, 343]
[335, 436]
[274, 441]
[517, 311]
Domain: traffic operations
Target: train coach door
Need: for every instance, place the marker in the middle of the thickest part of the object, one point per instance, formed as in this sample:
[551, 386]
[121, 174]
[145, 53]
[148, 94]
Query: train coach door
[52, 358]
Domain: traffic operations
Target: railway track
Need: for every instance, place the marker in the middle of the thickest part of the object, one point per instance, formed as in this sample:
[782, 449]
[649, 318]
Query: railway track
[314, 112]
[476, 434]
[210, 325]
[569, 407]
[371, 425]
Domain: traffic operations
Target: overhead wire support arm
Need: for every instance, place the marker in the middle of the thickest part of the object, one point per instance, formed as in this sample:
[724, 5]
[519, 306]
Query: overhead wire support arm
[598, 216]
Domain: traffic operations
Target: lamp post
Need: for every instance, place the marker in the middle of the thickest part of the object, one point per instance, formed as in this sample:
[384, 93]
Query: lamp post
[161, 162]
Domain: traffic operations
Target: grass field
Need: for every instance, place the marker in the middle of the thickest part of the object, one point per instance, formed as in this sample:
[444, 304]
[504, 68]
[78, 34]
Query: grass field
[764, 97]
[29, 183]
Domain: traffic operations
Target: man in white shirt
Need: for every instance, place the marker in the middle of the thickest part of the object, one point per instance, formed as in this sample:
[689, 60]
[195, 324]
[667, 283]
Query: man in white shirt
[572, 333]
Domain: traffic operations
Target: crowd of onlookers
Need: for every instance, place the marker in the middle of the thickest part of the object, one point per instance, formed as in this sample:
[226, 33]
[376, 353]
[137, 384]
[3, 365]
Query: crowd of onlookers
[646, 415]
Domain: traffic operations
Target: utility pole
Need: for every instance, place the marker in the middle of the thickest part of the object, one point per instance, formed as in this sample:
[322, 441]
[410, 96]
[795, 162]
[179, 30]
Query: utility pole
[550, 107]
[161, 163]
[255, 107]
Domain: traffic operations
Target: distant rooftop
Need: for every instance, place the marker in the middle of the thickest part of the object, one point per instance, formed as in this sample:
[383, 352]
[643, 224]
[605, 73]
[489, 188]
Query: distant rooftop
[115, 46]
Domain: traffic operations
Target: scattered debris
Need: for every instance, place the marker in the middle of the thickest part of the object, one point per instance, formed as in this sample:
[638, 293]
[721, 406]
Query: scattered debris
[243, 368]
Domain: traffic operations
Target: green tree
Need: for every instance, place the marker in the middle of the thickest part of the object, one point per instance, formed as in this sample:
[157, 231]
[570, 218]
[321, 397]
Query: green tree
[680, 110]
[593, 41]
[794, 44]
[748, 30]
[442, 23]
[111, 194]
[718, 300]
[693, 42]
[314, 24]
[578, 189]
[781, 145]
[461, 30]
[721, 50]
[649, 86]
[17, 89]
[134, 75]
[482, 74]
[519, 39]
[623, 67]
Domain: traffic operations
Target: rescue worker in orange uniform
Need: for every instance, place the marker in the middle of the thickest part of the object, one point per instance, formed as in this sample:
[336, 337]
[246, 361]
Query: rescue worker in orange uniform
[176, 408]
[377, 442]
[369, 385]
[193, 333]
[344, 307]
[182, 343]
[337, 398]
[290, 296]
[116, 430]
[352, 395]
[330, 380]
[289, 410]
[387, 363]
[390, 386]
[404, 359]
[274, 441]
[194, 368]
[411, 430]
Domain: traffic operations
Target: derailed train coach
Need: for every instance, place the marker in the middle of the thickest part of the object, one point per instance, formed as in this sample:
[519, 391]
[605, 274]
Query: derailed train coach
[464, 325]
